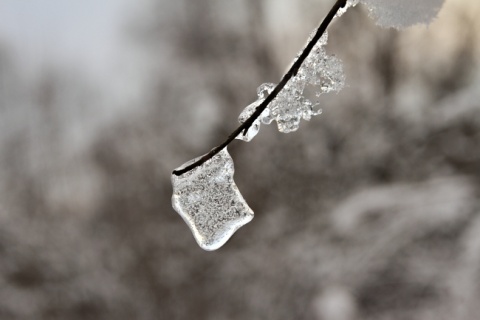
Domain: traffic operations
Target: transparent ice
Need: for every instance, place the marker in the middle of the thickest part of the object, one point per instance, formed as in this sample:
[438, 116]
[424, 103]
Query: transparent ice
[209, 201]
[262, 92]
[255, 127]
[319, 70]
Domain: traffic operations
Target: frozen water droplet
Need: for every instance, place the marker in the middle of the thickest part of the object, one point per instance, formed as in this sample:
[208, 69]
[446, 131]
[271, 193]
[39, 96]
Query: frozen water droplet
[266, 117]
[209, 201]
[265, 89]
[317, 112]
[255, 127]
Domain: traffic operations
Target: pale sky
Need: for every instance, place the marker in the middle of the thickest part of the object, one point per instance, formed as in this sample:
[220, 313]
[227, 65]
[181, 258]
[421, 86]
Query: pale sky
[86, 33]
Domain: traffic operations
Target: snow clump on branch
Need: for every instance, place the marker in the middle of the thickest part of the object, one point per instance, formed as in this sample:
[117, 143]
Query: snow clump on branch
[402, 13]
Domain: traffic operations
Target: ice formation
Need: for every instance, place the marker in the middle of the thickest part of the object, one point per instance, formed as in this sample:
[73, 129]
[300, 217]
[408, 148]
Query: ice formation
[209, 201]
[350, 3]
[326, 72]
[207, 197]
[255, 127]
[320, 70]
[403, 13]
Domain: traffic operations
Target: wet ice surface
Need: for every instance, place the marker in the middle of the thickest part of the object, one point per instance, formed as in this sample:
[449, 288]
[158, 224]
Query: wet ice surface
[209, 201]
[255, 127]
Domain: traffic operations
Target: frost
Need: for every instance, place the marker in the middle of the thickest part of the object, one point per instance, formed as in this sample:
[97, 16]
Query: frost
[403, 13]
[209, 201]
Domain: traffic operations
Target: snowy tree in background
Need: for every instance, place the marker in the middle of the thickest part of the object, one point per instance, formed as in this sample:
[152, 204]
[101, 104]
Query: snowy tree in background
[204, 193]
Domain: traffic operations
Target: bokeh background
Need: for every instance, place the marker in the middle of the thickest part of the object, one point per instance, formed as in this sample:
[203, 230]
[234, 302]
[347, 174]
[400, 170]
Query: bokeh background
[370, 211]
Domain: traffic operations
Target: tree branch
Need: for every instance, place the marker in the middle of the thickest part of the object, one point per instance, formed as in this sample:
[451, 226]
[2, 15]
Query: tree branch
[258, 111]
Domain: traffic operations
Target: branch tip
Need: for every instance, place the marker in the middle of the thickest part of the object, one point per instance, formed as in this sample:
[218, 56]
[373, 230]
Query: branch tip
[258, 111]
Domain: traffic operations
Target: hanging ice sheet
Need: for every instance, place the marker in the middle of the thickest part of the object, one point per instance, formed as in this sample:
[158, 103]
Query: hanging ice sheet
[209, 201]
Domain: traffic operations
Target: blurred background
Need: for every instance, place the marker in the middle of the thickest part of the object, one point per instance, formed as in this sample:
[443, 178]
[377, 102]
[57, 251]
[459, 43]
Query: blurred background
[370, 211]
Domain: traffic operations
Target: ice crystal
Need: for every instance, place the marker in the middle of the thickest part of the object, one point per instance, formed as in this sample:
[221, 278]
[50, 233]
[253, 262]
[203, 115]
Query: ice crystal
[265, 89]
[209, 201]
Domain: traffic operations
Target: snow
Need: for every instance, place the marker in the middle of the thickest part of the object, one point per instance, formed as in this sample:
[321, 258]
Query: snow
[403, 13]
[209, 201]
[398, 13]
[350, 4]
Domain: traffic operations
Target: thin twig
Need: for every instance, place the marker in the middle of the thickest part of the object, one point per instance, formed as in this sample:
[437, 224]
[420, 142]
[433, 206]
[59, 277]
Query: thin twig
[258, 111]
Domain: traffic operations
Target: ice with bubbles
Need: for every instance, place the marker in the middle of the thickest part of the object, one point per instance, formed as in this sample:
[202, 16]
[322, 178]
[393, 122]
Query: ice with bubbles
[209, 201]
[323, 72]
